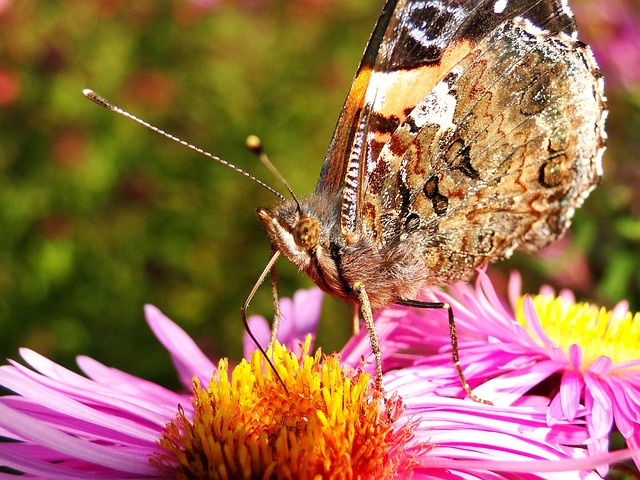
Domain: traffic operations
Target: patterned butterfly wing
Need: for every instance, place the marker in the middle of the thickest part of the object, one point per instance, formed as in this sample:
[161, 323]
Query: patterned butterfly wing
[480, 130]
[352, 120]
[472, 128]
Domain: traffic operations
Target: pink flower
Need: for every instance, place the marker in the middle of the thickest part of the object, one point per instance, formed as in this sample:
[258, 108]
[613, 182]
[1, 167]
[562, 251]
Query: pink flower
[581, 361]
[110, 424]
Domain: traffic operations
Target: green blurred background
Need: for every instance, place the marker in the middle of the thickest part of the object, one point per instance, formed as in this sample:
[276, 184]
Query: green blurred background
[99, 216]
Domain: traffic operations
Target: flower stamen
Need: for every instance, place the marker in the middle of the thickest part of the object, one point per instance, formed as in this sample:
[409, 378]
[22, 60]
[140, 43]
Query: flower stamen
[327, 422]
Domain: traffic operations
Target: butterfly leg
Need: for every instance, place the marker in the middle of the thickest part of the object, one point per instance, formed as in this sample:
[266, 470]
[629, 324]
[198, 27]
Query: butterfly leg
[454, 342]
[367, 314]
[276, 304]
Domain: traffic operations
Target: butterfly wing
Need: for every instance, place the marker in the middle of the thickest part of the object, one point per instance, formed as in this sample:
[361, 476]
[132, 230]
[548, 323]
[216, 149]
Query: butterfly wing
[497, 155]
[342, 145]
[413, 46]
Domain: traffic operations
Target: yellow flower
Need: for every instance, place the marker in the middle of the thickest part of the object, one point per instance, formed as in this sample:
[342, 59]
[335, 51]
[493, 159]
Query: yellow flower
[598, 331]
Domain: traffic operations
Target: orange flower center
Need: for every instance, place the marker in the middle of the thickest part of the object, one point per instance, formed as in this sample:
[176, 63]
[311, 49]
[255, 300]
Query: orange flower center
[328, 423]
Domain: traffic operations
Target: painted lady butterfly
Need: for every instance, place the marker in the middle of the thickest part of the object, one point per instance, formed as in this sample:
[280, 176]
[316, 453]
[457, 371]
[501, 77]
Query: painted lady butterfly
[472, 128]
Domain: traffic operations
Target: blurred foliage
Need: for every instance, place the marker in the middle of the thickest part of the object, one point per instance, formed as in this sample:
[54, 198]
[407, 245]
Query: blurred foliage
[99, 216]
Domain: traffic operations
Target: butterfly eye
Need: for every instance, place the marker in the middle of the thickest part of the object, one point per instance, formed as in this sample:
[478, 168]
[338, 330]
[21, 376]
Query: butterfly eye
[307, 232]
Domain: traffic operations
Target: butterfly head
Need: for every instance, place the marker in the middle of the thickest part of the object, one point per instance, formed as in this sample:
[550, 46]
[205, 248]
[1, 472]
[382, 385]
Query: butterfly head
[306, 234]
[292, 232]
[296, 234]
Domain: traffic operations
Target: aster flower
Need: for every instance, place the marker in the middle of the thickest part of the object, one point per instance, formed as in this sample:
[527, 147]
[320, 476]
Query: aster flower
[578, 359]
[320, 417]
[320, 421]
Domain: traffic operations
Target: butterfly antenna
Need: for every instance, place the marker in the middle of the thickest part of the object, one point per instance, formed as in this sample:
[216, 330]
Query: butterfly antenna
[95, 98]
[255, 145]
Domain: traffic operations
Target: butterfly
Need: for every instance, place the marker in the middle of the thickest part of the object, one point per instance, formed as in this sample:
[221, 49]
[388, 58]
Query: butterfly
[471, 129]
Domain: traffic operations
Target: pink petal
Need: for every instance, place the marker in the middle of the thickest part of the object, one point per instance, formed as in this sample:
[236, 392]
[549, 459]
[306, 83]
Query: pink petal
[62, 403]
[620, 310]
[125, 382]
[533, 322]
[38, 432]
[514, 287]
[598, 401]
[510, 386]
[187, 357]
[599, 447]
[601, 365]
[633, 442]
[575, 356]
[307, 305]
[570, 389]
[554, 412]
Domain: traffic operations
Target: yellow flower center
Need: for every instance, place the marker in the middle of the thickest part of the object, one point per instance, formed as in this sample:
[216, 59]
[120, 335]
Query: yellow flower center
[328, 423]
[597, 330]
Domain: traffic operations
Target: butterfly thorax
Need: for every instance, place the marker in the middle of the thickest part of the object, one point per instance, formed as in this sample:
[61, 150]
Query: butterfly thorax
[311, 238]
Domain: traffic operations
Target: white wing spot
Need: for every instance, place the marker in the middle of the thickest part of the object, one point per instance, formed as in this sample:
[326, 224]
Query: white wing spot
[437, 108]
[499, 6]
